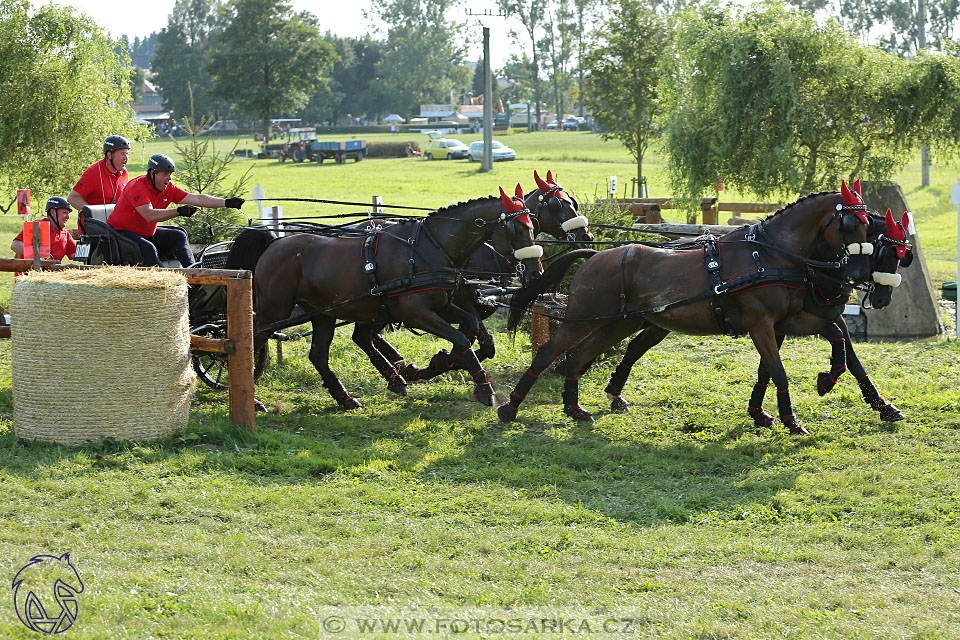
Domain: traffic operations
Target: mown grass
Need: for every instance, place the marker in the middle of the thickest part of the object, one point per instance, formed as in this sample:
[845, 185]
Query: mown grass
[681, 518]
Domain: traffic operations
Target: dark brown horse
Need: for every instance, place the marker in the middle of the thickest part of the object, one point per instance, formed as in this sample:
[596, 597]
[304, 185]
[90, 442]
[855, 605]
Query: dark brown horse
[405, 273]
[555, 213]
[753, 281]
[825, 299]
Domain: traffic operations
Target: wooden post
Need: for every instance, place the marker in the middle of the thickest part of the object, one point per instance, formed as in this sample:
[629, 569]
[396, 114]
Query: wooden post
[710, 211]
[240, 363]
[36, 244]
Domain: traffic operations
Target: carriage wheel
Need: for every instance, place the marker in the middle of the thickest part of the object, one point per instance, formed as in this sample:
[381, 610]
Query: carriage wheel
[212, 367]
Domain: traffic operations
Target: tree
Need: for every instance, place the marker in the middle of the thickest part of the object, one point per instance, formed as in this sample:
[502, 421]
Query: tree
[270, 60]
[351, 81]
[63, 89]
[422, 56]
[557, 45]
[776, 103]
[530, 13]
[183, 49]
[620, 85]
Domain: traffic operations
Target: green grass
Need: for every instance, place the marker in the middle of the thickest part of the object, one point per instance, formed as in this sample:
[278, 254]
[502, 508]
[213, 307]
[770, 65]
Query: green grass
[680, 520]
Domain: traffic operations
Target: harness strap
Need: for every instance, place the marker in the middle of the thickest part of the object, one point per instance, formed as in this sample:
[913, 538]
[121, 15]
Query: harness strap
[712, 262]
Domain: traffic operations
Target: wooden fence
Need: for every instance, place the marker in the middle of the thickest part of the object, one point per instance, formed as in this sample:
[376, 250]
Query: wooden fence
[238, 345]
[710, 208]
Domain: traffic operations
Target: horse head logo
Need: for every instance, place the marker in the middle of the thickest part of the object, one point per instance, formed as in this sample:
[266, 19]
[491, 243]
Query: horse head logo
[33, 586]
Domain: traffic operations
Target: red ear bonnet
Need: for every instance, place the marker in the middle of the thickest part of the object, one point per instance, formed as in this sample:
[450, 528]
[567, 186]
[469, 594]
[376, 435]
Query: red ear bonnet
[543, 186]
[550, 176]
[518, 202]
[897, 231]
[852, 200]
[858, 188]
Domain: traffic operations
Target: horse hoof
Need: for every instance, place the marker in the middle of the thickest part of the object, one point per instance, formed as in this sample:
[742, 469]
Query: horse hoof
[579, 414]
[486, 351]
[350, 403]
[890, 413]
[799, 430]
[506, 413]
[825, 383]
[619, 405]
[398, 386]
[760, 417]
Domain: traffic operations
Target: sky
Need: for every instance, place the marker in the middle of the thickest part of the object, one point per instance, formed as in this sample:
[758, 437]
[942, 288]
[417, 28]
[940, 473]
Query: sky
[339, 17]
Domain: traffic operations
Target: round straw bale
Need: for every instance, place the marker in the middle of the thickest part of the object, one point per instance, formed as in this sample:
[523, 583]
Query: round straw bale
[100, 353]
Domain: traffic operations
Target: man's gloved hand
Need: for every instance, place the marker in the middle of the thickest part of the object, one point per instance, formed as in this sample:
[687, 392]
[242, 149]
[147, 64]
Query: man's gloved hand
[186, 210]
[233, 203]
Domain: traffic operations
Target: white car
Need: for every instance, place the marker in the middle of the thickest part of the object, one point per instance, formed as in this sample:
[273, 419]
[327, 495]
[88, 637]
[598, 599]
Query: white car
[500, 151]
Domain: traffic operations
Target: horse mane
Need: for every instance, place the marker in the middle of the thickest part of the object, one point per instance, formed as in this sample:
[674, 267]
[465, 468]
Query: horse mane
[448, 208]
[797, 203]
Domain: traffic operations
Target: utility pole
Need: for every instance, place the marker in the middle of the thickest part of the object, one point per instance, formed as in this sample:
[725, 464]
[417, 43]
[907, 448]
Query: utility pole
[922, 44]
[487, 164]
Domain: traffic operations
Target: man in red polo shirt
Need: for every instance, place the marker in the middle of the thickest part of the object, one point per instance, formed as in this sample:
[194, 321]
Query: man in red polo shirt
[104, 180]
[62, 243]
[144, 203]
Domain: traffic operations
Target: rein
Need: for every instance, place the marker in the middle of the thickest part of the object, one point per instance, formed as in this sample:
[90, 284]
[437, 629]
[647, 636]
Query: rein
[351, 204]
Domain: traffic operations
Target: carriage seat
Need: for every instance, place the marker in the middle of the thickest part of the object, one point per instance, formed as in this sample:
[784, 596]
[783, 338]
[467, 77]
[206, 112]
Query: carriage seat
[106, 245]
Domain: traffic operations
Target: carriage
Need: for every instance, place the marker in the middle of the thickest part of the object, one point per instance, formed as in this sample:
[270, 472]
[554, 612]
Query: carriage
[100, 244]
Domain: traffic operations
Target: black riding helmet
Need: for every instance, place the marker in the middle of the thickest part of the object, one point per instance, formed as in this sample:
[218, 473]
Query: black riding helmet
[56, 202]
[159, 162]
[115, 143]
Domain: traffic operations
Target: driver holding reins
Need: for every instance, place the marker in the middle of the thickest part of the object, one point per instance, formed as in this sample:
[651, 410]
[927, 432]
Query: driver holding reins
[144, 203]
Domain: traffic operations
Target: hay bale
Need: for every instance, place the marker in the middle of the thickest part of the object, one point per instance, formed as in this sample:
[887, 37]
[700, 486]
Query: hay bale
[100, 353]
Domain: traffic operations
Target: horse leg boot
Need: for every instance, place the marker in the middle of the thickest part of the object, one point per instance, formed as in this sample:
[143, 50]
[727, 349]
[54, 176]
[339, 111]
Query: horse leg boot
[888, 412]
[755, 409]
[768, 345]
[362, 336]
[648, 338]
[568, 335]
[826, 380]
[323, 329]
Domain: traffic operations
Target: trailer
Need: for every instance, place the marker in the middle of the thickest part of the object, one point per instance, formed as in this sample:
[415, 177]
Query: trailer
[338, 151]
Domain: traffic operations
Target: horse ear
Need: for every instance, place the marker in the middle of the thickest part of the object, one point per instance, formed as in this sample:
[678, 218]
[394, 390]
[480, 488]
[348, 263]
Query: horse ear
[849, 197]
[858, 188]
[905, 221]
[519, 191]
[505, 199]
[543, 186]
[891, 225]
[549, 176]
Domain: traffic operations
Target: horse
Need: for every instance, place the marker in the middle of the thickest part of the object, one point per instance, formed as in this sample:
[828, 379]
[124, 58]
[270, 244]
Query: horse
[747, 281]
[826, 298]
[405, 273]
[554, 212]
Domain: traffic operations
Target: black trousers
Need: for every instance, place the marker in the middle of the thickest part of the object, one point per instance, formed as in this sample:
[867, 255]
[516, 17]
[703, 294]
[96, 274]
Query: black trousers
[165, 239]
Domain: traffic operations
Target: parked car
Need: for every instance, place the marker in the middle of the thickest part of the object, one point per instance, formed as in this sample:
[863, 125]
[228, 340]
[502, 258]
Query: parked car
[449, 148]
[552, 124]
[571, 124]
[223, 125]
[500, 151]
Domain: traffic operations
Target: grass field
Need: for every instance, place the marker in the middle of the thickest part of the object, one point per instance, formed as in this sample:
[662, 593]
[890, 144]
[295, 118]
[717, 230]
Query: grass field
[680, 520]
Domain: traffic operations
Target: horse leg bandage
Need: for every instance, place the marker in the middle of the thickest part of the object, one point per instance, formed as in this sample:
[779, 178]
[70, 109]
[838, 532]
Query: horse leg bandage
[755, 409]
[571, 400]
[888, 412]
[507, 412]
[338, 392]
[618, 379]
[826, 381]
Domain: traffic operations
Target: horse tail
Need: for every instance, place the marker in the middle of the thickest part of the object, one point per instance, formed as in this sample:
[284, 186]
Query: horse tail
[550, 279]
[247, 248]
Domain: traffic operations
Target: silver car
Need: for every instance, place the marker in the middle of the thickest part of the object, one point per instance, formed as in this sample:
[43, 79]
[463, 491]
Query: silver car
[500, 151]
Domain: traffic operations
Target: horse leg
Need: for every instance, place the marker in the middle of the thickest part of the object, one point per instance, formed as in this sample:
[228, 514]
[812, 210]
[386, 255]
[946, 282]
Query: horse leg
[485, 346]
[461, 355]
[888, 412]
[363, 337]
[755, 408]
[586, 351]
[767, 346]
[568, 335]
[323, 330]
[826, 380]
[441, 362]
[648, 338]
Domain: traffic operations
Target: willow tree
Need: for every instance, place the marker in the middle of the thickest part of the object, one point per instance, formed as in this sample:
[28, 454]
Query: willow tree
[777, 103]
[64, 87]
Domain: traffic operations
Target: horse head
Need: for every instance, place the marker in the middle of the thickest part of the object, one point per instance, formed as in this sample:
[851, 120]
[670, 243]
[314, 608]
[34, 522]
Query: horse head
[556, 212]
[518, 238]
[892, 252]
